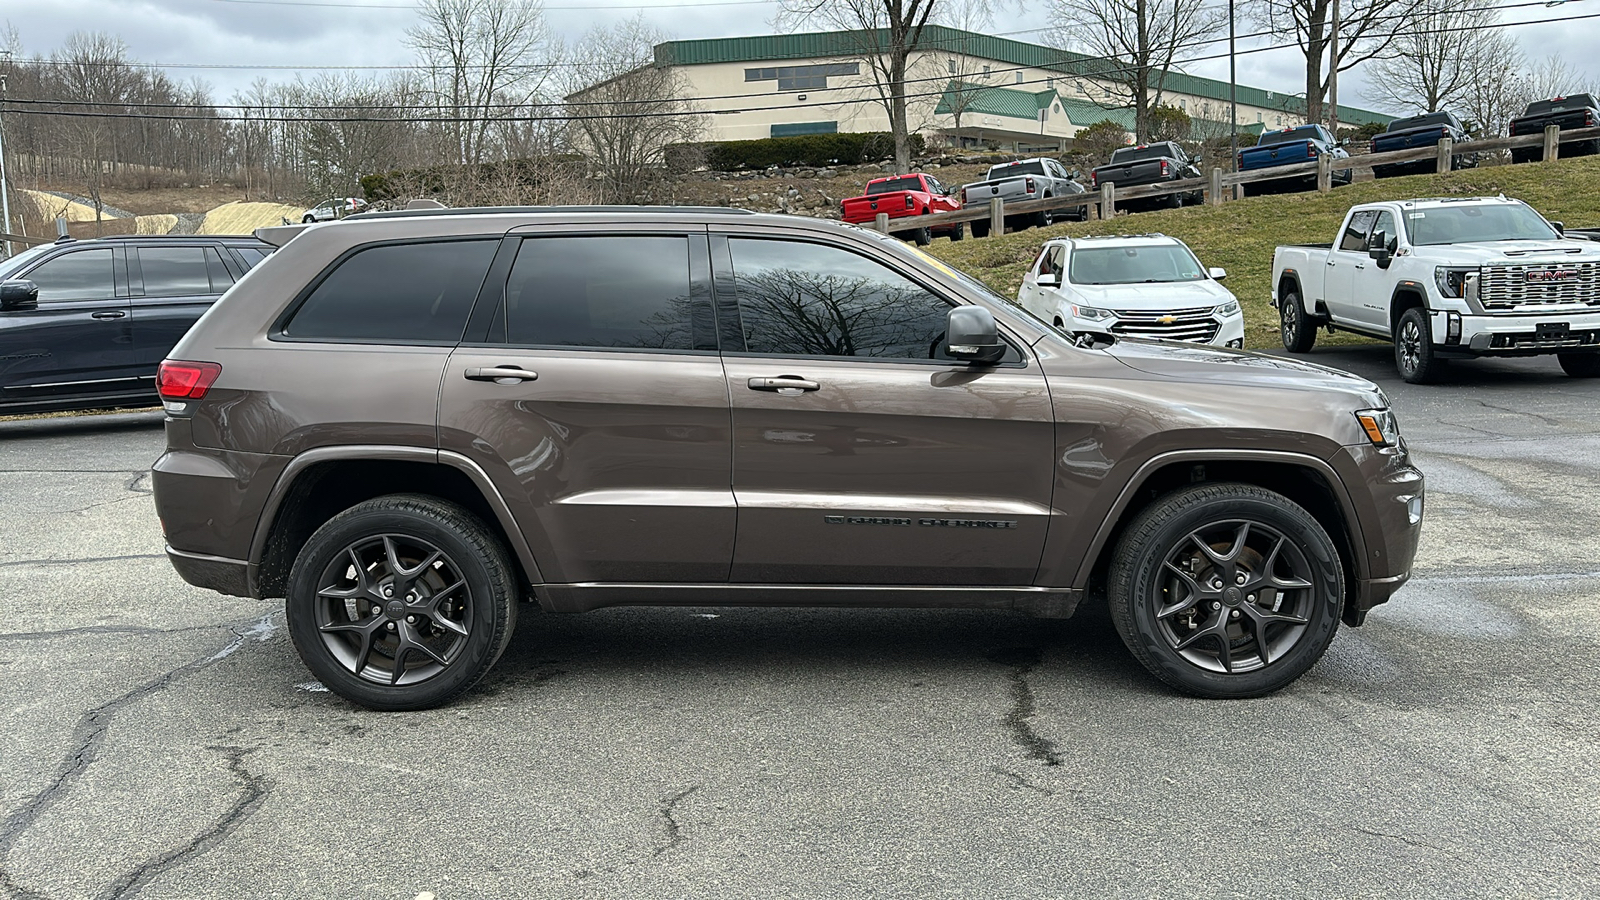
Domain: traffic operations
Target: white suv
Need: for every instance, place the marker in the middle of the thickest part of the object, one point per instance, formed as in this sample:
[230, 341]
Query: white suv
[1147, 285]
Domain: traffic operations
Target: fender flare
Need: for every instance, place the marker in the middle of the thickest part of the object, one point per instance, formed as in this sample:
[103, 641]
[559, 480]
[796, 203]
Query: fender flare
[352, 452]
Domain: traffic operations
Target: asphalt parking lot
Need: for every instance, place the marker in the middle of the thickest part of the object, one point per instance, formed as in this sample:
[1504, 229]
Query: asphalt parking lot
[163, 742]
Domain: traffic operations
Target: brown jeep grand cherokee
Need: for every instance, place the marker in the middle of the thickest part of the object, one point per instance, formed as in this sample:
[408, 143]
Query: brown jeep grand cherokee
[406, 423]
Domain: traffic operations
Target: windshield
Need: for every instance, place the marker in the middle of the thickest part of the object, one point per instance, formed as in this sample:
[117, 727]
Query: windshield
[1158, 263]
[1488, 222]
[1279, 137]
[1135, 154]
[903, 183]
[21, 260]
[1031, 167]
[1437, 118]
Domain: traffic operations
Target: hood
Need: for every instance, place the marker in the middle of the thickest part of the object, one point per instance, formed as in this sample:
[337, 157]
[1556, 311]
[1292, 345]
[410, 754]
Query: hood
[1511, 252]
[1149, 296]
[1200, 363]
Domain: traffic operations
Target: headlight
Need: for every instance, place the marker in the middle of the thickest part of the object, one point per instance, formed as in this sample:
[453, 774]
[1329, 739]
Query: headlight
[1451, 281]
[1231, 308]
[1093, 314]
[1380, 425]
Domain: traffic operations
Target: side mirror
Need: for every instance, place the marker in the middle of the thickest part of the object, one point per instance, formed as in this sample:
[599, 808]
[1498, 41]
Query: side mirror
[1216, 273]
[1560, 228]
[971, 334]
[18, 295]
[1048, 279]
[1381, 255]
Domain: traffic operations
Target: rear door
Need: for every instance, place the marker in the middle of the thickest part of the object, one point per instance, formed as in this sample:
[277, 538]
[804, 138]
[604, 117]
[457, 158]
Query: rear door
[862, 454]
[172, 285]
[594, 396]
[79, 342]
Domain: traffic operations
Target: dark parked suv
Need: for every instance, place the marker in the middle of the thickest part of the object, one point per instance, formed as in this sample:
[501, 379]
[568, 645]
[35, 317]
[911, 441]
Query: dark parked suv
[83, 324]
[405, 423]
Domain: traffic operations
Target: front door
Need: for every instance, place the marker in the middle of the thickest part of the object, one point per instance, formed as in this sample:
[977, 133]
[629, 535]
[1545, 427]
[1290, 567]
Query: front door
[595, 398]
[862, 453]
[78, 343]
[1345, 260]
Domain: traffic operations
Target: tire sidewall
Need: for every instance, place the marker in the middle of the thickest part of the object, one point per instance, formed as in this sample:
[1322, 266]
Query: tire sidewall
[1426, 366]
[492, 615]
[1137, 567]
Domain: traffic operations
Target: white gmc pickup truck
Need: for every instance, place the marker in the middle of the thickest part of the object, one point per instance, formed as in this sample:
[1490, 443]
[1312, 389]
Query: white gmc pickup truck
[1443, 279]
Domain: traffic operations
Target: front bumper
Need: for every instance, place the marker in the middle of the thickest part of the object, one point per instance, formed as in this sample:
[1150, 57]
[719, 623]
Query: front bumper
[1229, 330]
[1389, 520]
[1517, 334]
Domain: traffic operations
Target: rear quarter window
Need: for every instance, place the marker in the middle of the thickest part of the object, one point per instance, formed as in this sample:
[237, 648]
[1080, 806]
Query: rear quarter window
[410, 293]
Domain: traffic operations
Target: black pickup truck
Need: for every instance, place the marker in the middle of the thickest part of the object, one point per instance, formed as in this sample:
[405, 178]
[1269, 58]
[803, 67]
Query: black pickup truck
[1426, 130]
[1150, 164]
[85, 323]
[1573, 111]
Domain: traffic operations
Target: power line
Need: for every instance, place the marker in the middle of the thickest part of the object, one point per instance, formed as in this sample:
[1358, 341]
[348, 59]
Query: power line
[1103, 73]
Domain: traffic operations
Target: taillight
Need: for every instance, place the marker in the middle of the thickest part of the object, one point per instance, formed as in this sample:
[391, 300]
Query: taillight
[1030, 185]
[1311, 150]
[963, 195]
[1094, 179]
[1164, 165]
[178, 379]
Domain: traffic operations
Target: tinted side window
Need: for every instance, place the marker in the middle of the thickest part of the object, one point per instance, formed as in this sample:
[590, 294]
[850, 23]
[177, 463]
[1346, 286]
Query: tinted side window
[250, 255]
[1355, 234]
[179, 271]
[799, 299]
[81, 275]
[398, 293]
[625, 292]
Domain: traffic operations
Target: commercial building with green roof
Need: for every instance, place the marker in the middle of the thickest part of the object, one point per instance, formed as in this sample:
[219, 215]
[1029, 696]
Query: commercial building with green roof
[972, 89]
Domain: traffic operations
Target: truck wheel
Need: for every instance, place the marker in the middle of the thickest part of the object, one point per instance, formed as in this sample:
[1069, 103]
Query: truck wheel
[959, 232]
[1043, 217]
[1226, 590]
[1174, 201]
[401, 602]
[922, 236]
[980, 229]
[1299, 332]
[1580, 365]
[1413, 348]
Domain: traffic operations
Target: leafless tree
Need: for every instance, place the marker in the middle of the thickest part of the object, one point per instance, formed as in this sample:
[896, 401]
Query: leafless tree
[1140, 41]
[626, 110]
[1444, 54]
[1367, 30]
[883, 35]
[94, 68]
[483, 59]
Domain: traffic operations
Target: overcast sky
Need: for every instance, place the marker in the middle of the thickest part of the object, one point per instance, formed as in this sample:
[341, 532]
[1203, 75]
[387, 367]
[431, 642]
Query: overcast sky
[289, 33]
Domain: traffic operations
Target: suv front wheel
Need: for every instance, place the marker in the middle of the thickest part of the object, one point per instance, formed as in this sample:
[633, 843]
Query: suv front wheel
[401, 602]
[1226, 590]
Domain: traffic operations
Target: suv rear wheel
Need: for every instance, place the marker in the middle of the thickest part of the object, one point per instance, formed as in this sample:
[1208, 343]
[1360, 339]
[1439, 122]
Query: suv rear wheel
[1226, 590]
[401, 602]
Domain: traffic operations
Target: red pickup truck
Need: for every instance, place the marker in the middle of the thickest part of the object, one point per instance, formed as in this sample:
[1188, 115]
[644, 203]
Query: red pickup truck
[902, 196]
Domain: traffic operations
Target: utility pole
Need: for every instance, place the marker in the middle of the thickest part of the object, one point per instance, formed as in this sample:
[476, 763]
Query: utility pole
[1233, 97]
[1333, 76]
[5, 187]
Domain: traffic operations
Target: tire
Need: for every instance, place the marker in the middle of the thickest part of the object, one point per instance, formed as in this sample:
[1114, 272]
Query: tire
[378, 650]
[308, 220]
[1261, 587]
[1043, 217]
[980, 229]
[1174, 201]
[1580, 365]
[922, 236]
[959, 232]
[1522, 155]
[1299, 332]
[1413, 348]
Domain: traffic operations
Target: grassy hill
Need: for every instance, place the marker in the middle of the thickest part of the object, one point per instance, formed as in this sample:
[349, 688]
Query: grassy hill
[1239, 236]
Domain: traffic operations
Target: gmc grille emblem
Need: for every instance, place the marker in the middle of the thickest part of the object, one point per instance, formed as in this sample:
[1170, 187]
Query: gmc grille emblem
[1552, 274]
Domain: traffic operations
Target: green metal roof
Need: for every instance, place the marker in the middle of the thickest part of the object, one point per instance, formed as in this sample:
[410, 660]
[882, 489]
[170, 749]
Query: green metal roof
[994, 101]
[825, 44]
[1082, 113]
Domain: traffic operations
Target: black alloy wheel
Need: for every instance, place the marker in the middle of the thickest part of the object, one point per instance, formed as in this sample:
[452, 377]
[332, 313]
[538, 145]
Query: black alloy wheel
[1413, 348]
[1299, 332]
[959, 232]
[1226, 590]
[1044, 217]
[922, 236]
[401, 602]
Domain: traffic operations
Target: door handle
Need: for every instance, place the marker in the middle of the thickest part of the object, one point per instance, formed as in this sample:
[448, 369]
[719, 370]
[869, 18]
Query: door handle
[1331, 262]
[1360, 266]
[783, 383]
[501, 374]
[109, 314]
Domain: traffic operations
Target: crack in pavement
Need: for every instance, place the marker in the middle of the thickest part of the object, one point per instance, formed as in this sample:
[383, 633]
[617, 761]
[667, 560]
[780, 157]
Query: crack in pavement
[674, 830]
[73, 562]
[88, 736]
[1024, 660]
[254, 793]
[1020, 783]
[1405, 840]
[1519, 412]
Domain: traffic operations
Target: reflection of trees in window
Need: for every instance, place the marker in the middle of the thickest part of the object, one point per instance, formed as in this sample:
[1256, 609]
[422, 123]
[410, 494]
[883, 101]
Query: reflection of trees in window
[803, 313]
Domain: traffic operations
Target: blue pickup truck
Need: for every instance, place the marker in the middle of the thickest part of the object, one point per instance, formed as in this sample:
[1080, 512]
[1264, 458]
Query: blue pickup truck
[1300, 144]
[1426, 130]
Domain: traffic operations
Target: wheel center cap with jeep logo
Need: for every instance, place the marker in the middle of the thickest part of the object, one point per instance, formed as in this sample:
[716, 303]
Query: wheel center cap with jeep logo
[394, 608]
[1232, 596]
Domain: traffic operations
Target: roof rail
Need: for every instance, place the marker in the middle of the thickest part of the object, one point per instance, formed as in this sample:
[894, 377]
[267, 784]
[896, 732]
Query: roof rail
[494, 210]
